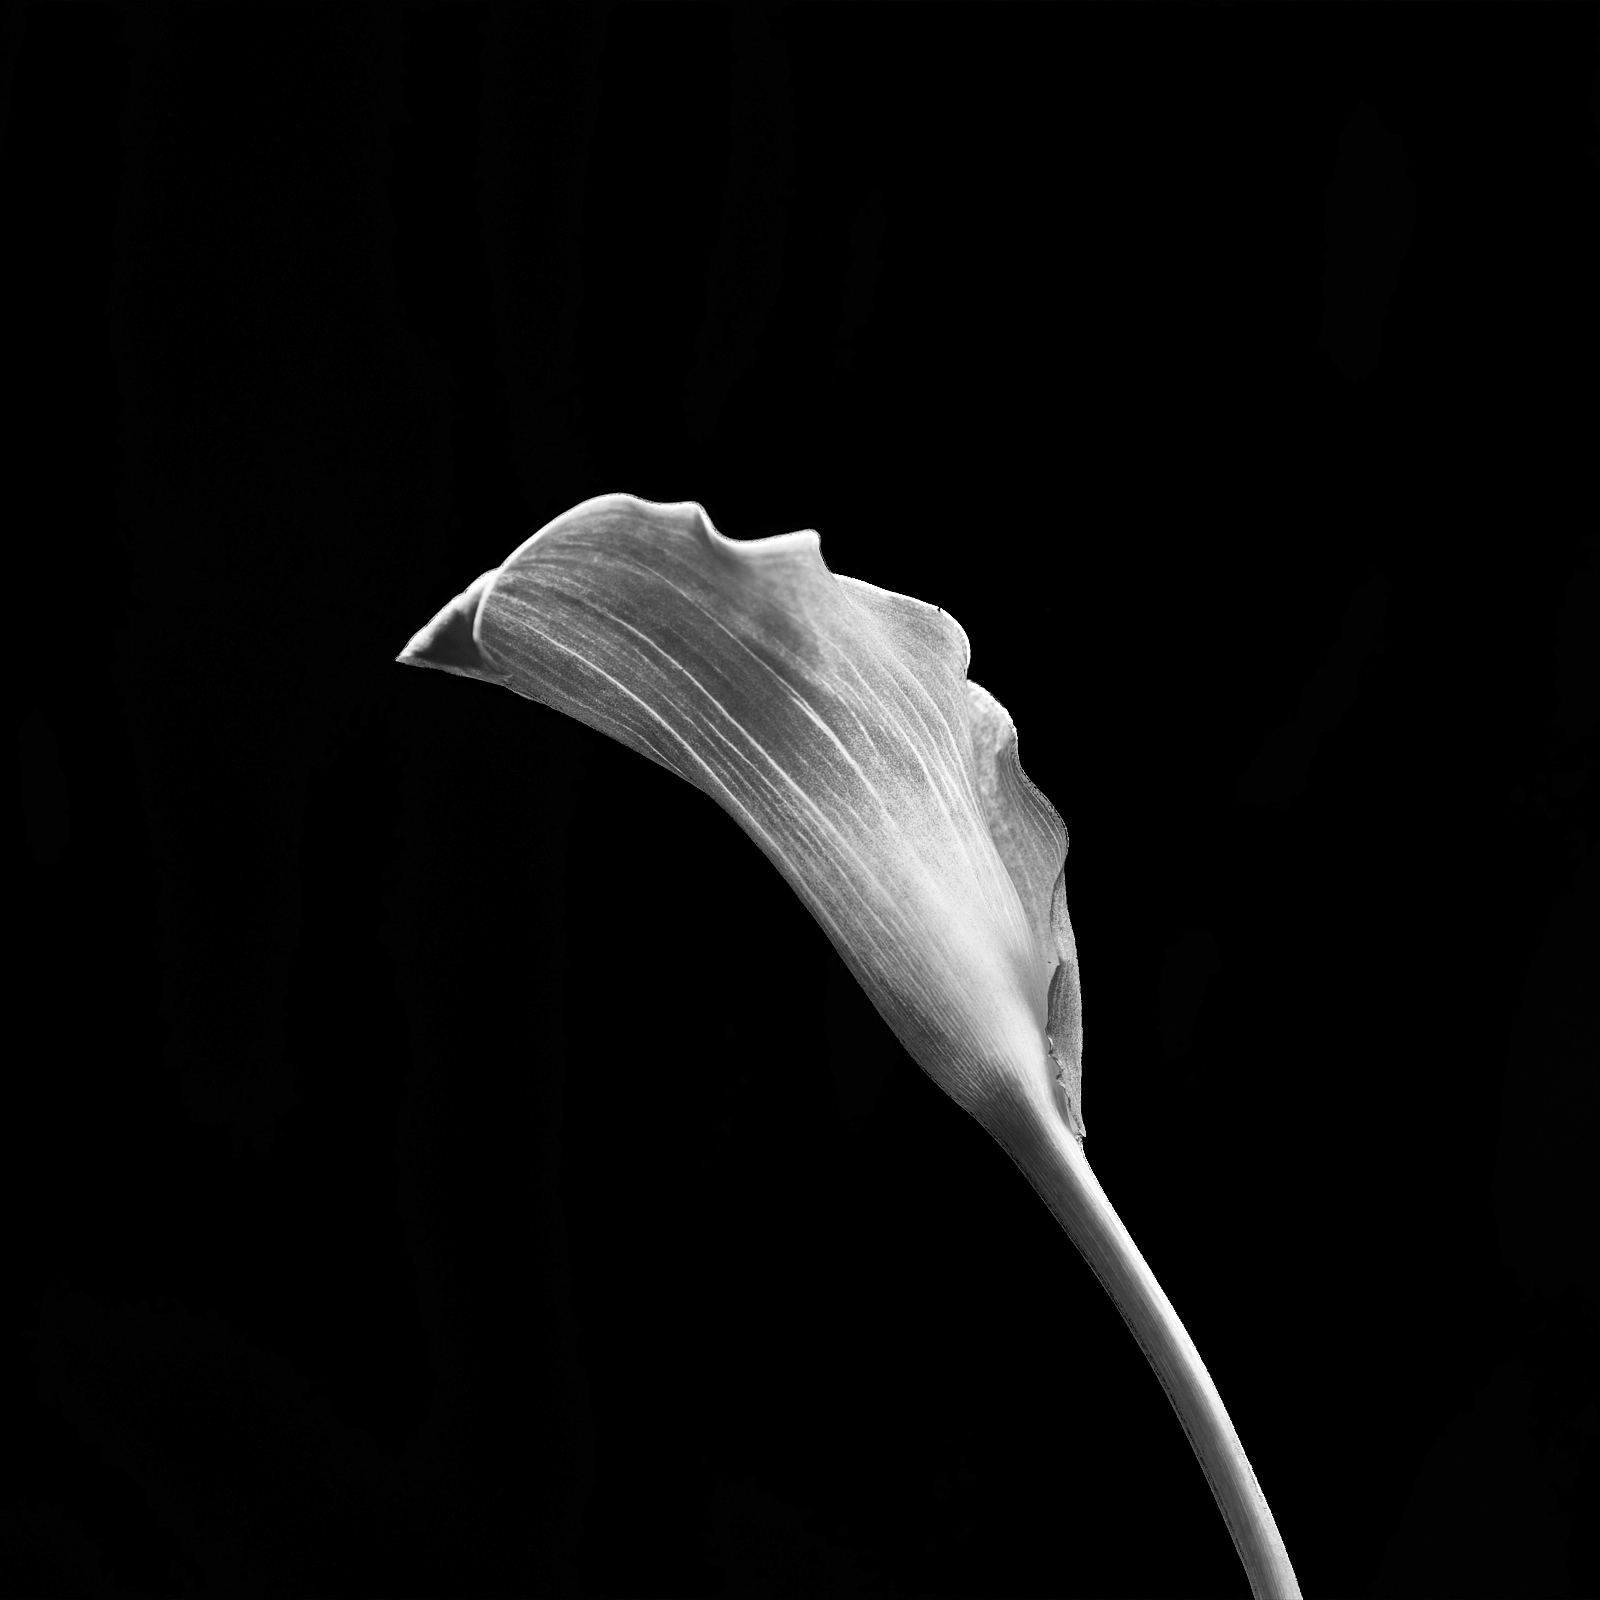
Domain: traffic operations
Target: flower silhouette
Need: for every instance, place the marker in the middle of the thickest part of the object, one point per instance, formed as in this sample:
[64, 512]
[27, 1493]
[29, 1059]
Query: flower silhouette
[835, 722]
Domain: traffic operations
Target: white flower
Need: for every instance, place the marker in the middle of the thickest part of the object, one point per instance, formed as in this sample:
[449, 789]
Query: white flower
[835, 722]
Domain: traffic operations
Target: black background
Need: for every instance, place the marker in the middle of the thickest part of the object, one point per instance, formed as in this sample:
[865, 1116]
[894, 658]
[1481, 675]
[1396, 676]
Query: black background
[441, 1156]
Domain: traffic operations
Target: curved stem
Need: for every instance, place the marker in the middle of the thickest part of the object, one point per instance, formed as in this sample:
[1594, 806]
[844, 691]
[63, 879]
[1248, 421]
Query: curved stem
[1057, 1168]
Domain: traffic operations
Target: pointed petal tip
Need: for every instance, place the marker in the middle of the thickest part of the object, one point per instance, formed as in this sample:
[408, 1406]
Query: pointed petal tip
[449, 642]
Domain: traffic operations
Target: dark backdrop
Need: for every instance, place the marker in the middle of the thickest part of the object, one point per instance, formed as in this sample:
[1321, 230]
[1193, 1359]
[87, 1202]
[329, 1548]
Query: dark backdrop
[441, 1157]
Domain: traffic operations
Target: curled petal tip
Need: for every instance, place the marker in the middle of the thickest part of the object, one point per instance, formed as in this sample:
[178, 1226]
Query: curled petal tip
[450, 641]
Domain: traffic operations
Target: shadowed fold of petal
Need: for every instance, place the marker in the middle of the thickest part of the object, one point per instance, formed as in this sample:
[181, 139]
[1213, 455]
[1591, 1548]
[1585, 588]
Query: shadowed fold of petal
[835, 723]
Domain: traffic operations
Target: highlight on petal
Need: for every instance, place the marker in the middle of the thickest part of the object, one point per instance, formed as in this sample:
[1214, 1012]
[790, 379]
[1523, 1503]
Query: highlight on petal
[833, 720]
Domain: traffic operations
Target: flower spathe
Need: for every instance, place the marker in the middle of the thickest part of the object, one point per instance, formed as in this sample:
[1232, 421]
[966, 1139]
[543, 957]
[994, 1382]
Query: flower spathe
[834, 721]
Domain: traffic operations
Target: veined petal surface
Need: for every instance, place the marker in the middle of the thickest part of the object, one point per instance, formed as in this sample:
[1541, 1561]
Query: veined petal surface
[835, 722]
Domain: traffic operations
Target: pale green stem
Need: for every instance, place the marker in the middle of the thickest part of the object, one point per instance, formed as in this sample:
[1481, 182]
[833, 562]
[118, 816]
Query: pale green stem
[1057, 1168]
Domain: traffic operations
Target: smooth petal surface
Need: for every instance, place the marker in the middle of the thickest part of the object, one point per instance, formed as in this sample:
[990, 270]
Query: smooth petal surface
[835, 722]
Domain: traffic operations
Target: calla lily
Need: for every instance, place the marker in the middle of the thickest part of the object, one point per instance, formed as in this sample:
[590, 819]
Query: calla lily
[836, 723]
